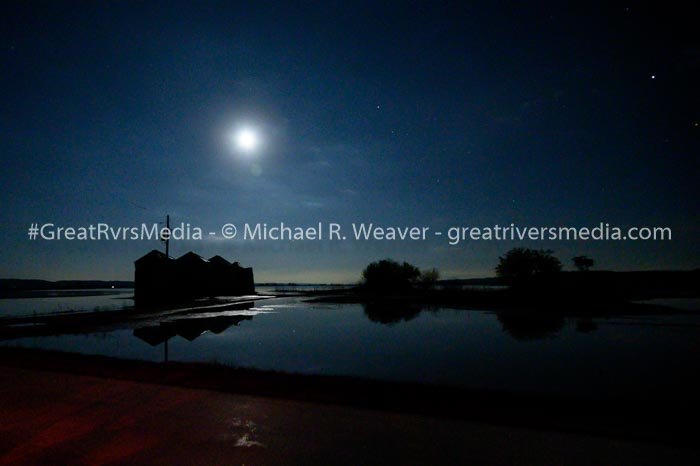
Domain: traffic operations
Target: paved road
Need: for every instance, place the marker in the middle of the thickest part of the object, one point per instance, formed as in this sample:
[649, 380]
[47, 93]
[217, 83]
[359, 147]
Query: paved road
[61, 419]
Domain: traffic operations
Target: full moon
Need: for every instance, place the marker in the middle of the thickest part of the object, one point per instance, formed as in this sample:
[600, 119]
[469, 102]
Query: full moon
[246, 140]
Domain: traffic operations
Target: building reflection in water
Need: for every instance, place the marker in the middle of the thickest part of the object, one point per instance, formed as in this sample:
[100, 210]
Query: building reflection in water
[189, 328]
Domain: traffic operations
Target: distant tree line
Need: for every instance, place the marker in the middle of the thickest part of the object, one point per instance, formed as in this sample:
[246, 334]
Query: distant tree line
[518, 266]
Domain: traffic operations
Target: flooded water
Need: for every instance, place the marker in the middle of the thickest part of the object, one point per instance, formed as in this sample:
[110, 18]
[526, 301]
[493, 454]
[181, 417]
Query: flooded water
[51, 302]
[636, 357]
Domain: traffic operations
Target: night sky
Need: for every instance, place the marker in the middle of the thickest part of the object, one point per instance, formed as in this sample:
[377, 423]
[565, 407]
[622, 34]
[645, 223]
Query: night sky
[409, 113]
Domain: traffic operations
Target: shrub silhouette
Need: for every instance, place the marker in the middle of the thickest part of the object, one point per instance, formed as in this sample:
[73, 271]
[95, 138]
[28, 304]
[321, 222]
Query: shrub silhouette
[429, 278]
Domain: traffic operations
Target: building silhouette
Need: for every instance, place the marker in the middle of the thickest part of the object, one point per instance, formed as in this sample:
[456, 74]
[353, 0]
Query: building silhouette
[159, 278]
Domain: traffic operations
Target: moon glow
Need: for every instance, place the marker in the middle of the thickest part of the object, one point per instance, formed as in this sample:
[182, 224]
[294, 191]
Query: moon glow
[246, 140]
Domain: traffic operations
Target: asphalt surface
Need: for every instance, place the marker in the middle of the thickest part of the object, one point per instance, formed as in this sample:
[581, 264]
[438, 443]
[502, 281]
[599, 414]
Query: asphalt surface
[58, 418]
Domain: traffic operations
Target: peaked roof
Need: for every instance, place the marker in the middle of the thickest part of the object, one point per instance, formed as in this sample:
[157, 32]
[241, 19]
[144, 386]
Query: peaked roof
[219, 260]
[153, 256]
[156, 256]
[190, 256]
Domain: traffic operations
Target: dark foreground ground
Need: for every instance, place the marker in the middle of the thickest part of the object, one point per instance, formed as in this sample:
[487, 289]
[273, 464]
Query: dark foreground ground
[68, 409]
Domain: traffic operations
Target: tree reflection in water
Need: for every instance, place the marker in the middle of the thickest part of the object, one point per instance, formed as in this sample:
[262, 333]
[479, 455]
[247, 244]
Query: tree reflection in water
[519, 324]
[391, 313]
[530, 325]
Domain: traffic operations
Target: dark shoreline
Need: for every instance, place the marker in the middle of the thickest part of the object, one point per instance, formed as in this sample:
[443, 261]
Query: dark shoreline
[658, 420]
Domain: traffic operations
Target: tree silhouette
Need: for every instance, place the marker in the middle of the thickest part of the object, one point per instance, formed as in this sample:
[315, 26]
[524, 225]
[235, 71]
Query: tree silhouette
[521, 265]
[583, 263]
[388, 275]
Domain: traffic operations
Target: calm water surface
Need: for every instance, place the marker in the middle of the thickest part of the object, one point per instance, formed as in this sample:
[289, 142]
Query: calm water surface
[634, 357]
[50, 302]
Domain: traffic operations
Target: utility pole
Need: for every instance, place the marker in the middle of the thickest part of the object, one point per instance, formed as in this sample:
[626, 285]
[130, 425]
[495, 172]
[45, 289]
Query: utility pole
[167, 238]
